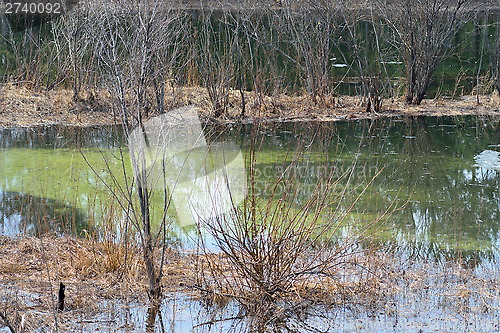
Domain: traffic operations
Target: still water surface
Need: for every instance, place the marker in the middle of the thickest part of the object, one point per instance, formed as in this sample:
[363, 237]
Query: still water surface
[443, 173]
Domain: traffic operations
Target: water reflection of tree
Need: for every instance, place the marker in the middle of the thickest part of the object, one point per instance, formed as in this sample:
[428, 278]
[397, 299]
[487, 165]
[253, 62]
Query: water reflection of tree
[61, 137]
[452, 205]
[306, 319]
[31, 215]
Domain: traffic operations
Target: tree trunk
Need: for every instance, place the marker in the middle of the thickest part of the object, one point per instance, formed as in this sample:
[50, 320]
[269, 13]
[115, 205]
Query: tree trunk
[4, 26]
[154, 291]
[410, 77]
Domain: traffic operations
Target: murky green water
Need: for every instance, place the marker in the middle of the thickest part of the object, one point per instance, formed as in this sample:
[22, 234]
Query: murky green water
[46, 183]
[442, 173]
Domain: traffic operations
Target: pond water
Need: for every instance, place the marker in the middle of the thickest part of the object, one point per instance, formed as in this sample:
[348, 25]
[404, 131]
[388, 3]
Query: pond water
[441, 173]
[180, 314]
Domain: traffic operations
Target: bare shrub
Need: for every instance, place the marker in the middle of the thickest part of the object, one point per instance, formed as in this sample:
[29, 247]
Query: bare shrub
[218, 56]
[364, 38]
[310, 34]
[423, 32]
[29, 56]
[258, 66]
[268, 55]
[281, 250]
[137, 46]
[75, 60]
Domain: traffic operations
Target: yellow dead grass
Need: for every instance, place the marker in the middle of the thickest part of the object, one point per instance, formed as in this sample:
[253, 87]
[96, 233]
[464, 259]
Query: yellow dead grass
[94, 272]
[20, 106]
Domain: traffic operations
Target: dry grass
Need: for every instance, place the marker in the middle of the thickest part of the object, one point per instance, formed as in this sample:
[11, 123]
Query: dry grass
[21, 106]
[31, 268]
[93, 272]
[75, 260]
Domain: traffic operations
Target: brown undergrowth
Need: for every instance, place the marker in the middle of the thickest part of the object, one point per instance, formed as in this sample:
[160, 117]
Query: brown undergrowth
[363, 278]
[95, 273]
[37, 264]
[31, 269]
[22, 106]
[78, 260]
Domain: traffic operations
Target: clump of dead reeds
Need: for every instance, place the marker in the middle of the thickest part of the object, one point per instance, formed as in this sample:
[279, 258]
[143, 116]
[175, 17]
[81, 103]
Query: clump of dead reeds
[84, 260]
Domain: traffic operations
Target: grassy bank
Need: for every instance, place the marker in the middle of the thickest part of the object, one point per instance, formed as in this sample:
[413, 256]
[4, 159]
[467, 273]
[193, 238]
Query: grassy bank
[22, 107]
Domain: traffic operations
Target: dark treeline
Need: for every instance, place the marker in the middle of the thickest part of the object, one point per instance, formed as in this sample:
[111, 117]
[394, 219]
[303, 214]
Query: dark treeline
[322, 48]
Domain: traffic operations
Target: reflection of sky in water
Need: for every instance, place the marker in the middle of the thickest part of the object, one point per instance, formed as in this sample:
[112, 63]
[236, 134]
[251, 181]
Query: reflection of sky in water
[421, 220]
[487, 168]
[488, 159]
[468, 175]
[24, 214]
[437, 312]
[12, 222]
[12, 226]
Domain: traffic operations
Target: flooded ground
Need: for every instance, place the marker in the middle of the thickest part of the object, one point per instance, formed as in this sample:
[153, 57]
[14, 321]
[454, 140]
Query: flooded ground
[440, 273]
[403, 297]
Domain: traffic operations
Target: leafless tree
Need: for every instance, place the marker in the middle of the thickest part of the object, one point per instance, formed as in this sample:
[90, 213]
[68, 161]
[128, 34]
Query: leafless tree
[363, 47]
[136, 45]
[265, 61]
[257, 63]
[310, 31]
[423, 32]
[31, 54]
[496, 56]
[75, 59]
[219, 58]
[4, 26]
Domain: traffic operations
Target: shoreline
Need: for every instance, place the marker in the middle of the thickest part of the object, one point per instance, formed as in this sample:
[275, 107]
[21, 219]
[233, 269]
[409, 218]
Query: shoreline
[95, 278]
[23, 107]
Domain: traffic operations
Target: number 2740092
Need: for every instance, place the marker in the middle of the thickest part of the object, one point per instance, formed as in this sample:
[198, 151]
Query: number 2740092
[31, 8]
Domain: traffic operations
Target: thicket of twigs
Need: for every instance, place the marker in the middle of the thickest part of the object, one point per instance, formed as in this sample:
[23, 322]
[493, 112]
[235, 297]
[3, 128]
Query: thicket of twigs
[382, 48]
